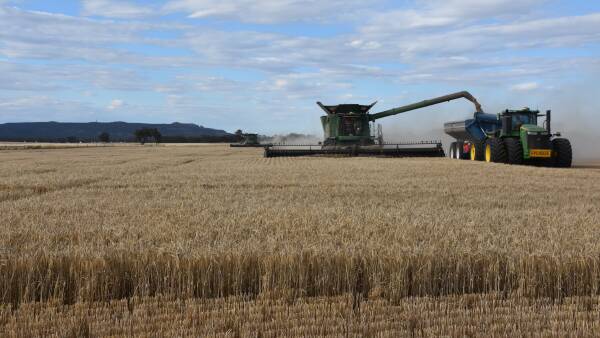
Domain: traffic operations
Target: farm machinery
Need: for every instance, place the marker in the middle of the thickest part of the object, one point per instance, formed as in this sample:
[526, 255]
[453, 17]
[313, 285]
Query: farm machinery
[512, 136]
[348, 131]
[248, 140]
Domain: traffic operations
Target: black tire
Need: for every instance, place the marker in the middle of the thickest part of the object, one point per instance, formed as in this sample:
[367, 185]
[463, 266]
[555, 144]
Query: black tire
[477, 151]
[457, 151]
[452, 150]
[563, 153]
[497, 151]
[460, 154]
[514, 151]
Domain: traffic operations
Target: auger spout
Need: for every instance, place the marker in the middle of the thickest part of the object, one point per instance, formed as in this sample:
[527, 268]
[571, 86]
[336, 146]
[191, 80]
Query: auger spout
[427, 103]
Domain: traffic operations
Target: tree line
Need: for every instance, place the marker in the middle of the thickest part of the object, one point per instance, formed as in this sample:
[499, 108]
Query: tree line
[145, 135]
[142, 135]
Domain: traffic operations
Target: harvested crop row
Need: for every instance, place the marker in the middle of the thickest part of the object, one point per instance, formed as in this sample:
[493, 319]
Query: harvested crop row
[343, 316]
[71, 279]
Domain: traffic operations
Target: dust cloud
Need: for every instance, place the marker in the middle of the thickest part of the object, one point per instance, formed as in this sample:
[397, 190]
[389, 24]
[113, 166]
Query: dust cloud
[293, 138]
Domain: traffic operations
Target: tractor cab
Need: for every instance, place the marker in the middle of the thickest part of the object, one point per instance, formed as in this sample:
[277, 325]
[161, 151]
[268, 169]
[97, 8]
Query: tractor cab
[516, 121]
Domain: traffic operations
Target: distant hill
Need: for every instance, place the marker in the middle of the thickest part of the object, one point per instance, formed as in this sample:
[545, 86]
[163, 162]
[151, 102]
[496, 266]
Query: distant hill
[118, 131]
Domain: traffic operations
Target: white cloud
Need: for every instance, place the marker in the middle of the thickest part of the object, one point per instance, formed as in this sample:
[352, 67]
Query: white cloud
[455, 43]
[264, 51]
[309, 86]
[40, 35]
[115, 9]
[478, 9]
[572, 31]
[27, 77]
[32, 26]
[269, 11]
[444, 13]
[278, 53]
[365, 45]
[525, 87]
[115, 104]
[43, 108]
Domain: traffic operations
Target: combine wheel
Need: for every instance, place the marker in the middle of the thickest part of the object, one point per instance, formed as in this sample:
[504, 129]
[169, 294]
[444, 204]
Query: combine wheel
[563, 153]
[514, 151]
[477, 152]
[495, 151]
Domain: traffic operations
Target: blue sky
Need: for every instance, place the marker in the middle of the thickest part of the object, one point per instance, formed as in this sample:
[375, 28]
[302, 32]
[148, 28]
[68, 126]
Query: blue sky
[262, 65]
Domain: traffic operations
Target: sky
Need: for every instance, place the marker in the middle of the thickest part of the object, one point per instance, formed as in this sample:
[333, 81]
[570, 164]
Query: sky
[261, 65]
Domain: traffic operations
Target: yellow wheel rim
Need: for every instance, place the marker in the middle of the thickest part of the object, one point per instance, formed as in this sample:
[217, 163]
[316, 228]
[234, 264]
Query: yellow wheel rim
[488, 153]
[473, 152]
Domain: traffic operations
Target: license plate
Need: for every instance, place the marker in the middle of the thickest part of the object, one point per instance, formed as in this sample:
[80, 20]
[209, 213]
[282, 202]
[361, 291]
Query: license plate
[540, 153]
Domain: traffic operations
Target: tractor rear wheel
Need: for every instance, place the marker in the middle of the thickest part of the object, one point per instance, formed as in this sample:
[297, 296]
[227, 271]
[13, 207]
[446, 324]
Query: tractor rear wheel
[514, 151]
[563, 152]
[495, 151]
[477, 151]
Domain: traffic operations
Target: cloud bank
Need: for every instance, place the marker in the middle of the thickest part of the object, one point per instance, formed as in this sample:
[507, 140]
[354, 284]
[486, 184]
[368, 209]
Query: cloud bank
[260, 66]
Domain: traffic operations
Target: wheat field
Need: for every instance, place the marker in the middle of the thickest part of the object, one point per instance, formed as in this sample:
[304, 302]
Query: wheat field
[202, 240]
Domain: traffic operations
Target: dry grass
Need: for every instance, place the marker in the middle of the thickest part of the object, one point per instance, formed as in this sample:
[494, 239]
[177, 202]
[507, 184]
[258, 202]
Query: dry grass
[341, 316]
[200, 222]
[42, 145]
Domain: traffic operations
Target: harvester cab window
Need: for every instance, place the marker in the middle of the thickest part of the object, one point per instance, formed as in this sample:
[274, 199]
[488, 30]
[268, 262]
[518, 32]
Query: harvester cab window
[357, 126]
[347, 126]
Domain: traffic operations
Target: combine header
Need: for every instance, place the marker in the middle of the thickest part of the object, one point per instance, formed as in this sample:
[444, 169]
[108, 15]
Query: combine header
[347, 129]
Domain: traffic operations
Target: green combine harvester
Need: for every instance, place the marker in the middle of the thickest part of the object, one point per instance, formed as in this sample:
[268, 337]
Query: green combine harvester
[512, 136]
[348, 132]
[248, 141]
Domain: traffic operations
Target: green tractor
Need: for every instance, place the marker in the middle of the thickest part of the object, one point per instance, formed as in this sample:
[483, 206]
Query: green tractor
[513, 137]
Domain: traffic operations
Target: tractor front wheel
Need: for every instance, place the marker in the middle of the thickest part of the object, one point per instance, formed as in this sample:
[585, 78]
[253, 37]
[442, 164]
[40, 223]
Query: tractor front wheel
[514, 151]
[495, 151]
[563, 153]
[477, 151]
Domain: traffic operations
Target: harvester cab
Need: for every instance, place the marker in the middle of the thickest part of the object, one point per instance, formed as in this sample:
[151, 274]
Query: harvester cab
[347, 131]
[347, 124]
